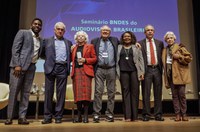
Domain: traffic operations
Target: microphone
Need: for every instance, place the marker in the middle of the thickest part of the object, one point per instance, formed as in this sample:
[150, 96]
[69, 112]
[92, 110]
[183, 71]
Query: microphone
[79, 56]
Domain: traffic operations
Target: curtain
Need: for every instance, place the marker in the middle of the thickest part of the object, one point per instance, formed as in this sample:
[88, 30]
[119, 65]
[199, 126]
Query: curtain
[9, 23]
[196, 6]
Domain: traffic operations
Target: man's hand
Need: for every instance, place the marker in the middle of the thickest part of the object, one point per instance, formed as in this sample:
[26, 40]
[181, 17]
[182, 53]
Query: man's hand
[17, 71]
[142, 77]
[138, 45]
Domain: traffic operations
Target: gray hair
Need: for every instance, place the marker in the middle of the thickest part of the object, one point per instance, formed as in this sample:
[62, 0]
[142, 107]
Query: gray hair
[145, 28]
[60, 24]
[169, 33]
[81, 33]
[105, 27]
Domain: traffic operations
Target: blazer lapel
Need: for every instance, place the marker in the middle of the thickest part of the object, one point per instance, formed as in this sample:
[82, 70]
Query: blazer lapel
[175, 48]
[157, 47]
[144, 48]
[40, 49]
[85, 48]
[112, 42]
[53, 46]
[66, 46]
[74, 52]
[98, 45]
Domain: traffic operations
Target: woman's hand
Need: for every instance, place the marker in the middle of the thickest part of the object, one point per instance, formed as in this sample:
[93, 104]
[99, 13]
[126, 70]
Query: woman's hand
[81, 60]
[176, 56]
[72, 47]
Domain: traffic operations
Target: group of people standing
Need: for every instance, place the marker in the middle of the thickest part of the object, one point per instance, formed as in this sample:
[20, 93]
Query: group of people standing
[105, 59]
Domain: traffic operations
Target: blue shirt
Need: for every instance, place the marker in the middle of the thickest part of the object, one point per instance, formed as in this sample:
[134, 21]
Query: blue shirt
[109, 49]
[60, 48]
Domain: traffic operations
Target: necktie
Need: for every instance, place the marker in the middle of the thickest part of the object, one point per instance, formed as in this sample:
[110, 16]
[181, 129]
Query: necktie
[153, 60]
[106, 51]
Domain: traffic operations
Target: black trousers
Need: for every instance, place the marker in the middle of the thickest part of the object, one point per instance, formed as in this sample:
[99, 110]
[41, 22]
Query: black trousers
[58, 75]
[153, 77]
[130, 94]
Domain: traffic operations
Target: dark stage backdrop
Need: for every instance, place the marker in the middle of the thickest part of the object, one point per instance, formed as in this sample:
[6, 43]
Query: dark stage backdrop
[9, 23]
[196, 6]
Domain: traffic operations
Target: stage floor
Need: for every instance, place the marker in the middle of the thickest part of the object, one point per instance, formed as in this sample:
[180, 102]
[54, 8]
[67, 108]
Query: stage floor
[169, 125]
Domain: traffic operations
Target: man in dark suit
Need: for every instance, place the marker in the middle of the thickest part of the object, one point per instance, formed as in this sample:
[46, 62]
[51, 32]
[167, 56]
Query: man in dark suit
[56, 52]
[152, 51]
[105, 70]
[25, 52]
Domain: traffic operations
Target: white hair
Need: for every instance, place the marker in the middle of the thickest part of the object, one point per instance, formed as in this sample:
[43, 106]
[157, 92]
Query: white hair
[81, 33]
[169, 33]
[60, 24]
[105, 27]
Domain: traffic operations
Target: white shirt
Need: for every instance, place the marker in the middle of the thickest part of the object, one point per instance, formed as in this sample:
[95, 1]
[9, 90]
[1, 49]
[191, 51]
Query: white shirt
[36, 45]
[148, 52]
[169, 57]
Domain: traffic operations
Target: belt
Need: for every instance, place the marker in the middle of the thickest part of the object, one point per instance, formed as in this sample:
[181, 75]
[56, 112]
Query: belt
[61, 62]
[106, 67]
[64, 64]
[152, 66]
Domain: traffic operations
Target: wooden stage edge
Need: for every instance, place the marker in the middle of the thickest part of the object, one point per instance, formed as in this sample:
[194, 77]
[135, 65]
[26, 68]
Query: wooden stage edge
[169, 125]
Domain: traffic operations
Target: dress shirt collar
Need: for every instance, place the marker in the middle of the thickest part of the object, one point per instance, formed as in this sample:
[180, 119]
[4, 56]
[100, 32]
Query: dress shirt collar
[55, 38]
[33, 34]
[147, 40]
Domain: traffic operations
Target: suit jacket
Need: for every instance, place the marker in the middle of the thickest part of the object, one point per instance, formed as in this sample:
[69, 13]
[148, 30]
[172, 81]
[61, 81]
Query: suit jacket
[137, 59]
[180, 73]
[96, 43]
[90, 56]
[49, 54]
[22, 49]
[159, 47]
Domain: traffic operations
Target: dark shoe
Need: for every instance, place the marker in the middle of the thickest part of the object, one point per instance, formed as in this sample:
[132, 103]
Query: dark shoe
[178, 118]
[57, 121]
[184, 118]
[96, 119]
[110, 118]
[8, 122]
[145, 118]
[77, 120]
[23, 121]
[127, 120]
[85, 119]
[159, 118]
[46, 121]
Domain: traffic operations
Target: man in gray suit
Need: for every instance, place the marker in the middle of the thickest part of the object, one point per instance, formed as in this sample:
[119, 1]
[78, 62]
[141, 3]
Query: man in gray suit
[152, 52]
[56, 52]
[105, 70]
[25, 52]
